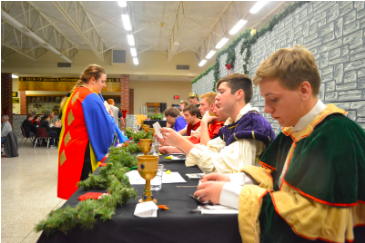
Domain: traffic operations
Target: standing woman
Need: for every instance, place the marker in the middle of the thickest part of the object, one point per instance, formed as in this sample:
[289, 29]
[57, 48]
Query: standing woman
[87, 131]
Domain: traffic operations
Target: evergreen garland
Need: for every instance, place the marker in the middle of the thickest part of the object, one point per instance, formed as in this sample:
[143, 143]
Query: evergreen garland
[247, 43]
[111, 177]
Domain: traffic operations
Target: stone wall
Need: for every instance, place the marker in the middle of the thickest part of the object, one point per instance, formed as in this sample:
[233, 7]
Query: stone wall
[334, 33]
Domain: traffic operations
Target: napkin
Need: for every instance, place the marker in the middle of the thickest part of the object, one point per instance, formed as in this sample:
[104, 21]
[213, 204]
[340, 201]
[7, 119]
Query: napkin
[217, 209]
[146, 210]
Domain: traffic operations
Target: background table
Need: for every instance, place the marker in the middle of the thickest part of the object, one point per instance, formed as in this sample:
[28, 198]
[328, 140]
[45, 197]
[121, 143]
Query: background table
[177, 224]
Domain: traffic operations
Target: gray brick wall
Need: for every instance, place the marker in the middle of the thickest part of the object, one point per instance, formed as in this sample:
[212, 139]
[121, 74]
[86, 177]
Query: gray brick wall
[334, 33]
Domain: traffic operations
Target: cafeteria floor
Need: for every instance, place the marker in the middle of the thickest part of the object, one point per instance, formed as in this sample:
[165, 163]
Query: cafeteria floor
[28, 192]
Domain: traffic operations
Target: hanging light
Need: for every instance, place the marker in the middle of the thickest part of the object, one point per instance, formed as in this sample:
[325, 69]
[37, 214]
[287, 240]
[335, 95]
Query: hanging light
[210, 54]
[126, 22]
[135, 61]
[237, 27]
[202, 62]
[130, 39]
[122, 4]
[133, 52]
[258, 6]
[221, 43]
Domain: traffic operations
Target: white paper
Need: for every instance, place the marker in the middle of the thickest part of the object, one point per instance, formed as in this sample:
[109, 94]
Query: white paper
[136, 179]
[217, 209]
[157, 127]
[146, 210]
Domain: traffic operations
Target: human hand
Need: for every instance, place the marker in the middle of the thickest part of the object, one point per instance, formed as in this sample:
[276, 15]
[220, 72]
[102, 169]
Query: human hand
[215, 177]
[161, 140]
[209, 191]
[196, 134]
[171, 137]
[208, 118]
[167, 149]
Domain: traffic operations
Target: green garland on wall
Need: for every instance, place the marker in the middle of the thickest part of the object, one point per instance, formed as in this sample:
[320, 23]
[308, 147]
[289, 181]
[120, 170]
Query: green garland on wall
[247, 43]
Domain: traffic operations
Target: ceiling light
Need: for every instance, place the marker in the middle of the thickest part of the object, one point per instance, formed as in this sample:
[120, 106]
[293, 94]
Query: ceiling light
[133, 52]
[135, 61]
[237, 27]
[221, 43]
[122, 4]
[130, 39]
[202, 62]
[126, 22]
[258, 6]
[210, 54]
[14, 76]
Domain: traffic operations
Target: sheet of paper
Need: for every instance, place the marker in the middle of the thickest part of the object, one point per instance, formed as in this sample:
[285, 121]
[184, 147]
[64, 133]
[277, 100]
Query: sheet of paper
[136, 179]
[157, 127]
[217, 209]
[146, 210]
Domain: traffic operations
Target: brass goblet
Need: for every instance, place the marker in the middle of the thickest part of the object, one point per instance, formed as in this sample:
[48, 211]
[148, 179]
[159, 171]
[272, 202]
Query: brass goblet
[145, 128]
[145, 145]
[152, 130]
[147, 168]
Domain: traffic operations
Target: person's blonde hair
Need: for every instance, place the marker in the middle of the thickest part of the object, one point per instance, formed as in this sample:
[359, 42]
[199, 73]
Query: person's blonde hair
[291, 66]
[209, 97]
[92, 70]
[110, 101]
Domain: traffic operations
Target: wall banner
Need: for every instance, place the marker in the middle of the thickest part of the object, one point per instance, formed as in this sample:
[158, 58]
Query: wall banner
[59, 84]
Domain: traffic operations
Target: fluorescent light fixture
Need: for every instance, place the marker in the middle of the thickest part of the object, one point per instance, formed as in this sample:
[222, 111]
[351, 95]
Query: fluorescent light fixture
[130, 39]
[126, 22]
[221, 43]
[210, 54]
[202, 62]
[133, 52]
[122, 4]
[237, 27]
[14, 76]
[135, 61]
[258, 6]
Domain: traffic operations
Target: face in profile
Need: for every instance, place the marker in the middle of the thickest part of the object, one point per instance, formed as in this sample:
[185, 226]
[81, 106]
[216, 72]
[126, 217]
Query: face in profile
[99, 83]
[204, 106]
[283, 105]
[191, 101]
[217, 111]
[170, 120]
[225, 99]
[182, 106]
[188, 117]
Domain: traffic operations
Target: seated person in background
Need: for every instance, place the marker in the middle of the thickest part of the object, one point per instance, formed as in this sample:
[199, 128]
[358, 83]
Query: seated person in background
[174, 120]
[30, 129]
[311, 183]
[191, 113]
[36, 120]
[194, 100]
[241, 141]
[5, 127]
[51, 133]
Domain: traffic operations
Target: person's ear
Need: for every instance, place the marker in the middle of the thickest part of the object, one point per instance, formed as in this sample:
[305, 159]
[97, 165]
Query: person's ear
[92, 80]
[240, 94]
[305, 90]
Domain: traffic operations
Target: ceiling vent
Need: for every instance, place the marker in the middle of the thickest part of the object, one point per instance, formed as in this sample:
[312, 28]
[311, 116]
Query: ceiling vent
[63, 64]
[182, 67]
[118, 56]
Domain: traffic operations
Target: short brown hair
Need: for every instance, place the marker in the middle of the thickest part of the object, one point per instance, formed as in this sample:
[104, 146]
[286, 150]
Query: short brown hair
[237, 81]
[209, 97]
[110, 101]
[192, 109]
[291, 66]
[171, 111]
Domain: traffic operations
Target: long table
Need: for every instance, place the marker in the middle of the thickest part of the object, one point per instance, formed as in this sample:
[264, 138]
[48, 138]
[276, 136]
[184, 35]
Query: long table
[178, 224]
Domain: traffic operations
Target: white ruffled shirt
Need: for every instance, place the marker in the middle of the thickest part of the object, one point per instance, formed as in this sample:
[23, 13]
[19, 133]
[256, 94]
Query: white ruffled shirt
[231, 190]
[217, 157]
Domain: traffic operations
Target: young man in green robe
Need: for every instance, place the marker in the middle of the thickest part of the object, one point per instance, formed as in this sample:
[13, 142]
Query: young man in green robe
[311, 183]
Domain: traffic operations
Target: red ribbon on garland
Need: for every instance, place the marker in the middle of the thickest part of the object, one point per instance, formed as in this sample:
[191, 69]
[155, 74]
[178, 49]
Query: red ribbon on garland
[229, 68]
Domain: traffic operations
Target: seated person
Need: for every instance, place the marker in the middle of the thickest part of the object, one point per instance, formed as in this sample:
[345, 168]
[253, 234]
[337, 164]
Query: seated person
[191, 113]
[5, 127]
[51, 133]
[30, 129]
[241, 141]
[36, 120]
[173, 119]
[194, 100]
[182, 105]
[311, 183]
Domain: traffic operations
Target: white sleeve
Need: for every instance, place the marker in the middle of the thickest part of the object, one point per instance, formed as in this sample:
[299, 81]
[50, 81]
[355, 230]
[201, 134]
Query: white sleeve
[230, 195]
[217, 157]
[241, 179]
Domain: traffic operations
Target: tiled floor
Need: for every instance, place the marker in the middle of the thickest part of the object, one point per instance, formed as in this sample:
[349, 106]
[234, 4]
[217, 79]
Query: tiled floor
[28, 192]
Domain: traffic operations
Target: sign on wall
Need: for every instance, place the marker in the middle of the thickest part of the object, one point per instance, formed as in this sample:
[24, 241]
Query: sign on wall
[59, 84]
[15, 100]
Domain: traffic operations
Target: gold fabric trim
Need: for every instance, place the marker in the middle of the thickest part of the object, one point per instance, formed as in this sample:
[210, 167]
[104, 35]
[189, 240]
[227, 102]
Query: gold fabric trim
[329, 110]
[63, 157]
[75, 97]
[253, 134]
[234, 135]
[260, 174]
[67, 138]
[232, 127]
[70, 118]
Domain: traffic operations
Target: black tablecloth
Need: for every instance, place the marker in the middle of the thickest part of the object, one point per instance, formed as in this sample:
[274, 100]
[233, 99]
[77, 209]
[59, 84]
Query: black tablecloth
[177, 224]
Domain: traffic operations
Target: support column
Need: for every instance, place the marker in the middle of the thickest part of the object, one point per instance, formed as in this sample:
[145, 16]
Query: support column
[23, 102]
[124, 93]
[6, 96]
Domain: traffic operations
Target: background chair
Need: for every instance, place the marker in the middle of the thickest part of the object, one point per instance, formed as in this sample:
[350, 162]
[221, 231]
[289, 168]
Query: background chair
[31, 138]
[42, 135]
